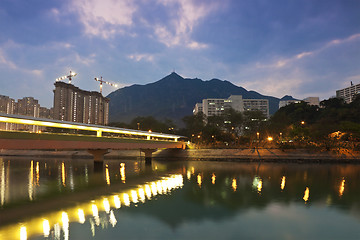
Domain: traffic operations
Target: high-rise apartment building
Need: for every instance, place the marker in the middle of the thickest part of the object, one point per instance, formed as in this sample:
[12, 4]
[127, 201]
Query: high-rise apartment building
[76, 105]
[349, 93]
[216, 106]
[7, 105]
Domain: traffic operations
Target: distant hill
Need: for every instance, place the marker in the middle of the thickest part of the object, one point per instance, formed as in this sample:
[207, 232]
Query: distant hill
[173, 97]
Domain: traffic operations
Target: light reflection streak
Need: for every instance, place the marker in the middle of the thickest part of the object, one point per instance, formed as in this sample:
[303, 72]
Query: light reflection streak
[199, 180]
[188, 175]
[65, 222]
[306, 194]
[106, 205]
[107, 174]
[147, 191]
[3, 184]
[46, 228]
[112, 219]
[117, 202]
[259, 186]
[31, 181]
[122, 172]
[342, 188]
[213, 178]
[63, 174]
[282, 186]
[23, 233]
[37, 170]
[234, 185]
[92, 210]
[81, 216]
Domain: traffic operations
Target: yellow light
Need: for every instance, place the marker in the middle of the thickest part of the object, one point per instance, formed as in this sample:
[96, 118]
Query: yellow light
[46, 228]
[141, 195]
[23, 233]
[134, 196]
[126, 199]
[122, 172]
[259, 186]
[199, 180]
[95, 210]
[234, 185]
[117, 202]
[306, 194]
[154, 189]
[148, 191]
[213, 178]
[112, 218]
[106, 205]
[283, 183]
[342, 188]
[81, 215]
[63, 175]
[188, 175]
[269, 139]
[107, 175]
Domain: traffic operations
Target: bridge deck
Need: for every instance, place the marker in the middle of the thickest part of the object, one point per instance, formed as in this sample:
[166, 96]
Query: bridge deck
[27, 140]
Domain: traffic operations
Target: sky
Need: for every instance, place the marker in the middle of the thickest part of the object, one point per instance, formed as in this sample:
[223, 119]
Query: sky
[281, 47]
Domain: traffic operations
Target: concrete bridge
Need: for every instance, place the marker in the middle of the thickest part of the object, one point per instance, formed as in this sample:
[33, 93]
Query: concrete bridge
[102, 140]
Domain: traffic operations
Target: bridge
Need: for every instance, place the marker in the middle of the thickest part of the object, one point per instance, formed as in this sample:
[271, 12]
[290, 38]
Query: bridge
[96, 139]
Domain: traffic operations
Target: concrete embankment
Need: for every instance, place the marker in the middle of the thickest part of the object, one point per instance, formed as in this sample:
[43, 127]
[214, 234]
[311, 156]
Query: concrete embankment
[246, 154]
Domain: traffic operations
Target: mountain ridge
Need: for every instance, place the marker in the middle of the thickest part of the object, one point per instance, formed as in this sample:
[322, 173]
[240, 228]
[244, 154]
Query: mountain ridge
[173, 97]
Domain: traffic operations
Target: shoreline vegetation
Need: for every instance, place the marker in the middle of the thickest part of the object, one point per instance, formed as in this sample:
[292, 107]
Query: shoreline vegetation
[206, 154]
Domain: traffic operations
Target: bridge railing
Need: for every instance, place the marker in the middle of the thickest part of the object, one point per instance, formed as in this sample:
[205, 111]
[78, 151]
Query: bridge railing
[99, 129]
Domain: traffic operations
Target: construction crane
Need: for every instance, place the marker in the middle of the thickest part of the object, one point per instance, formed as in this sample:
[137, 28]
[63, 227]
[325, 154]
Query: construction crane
[70, 76]
[102, 81]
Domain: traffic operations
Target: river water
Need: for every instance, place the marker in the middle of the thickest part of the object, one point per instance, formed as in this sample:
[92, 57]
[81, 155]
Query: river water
[128, 199]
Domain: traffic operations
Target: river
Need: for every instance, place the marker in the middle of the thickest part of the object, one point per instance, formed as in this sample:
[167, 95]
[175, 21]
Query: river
[128, 199]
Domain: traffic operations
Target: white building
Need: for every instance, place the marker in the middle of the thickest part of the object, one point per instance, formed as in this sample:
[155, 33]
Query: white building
[216, 106]
[349, 93]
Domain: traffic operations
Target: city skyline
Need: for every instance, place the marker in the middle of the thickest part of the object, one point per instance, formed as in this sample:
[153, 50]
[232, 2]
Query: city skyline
[301, 48]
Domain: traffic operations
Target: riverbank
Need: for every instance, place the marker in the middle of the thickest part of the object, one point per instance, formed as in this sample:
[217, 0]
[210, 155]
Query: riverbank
[251, 155]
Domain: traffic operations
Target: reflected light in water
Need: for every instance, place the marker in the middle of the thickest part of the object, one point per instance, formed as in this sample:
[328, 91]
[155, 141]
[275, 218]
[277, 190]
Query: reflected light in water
[95, 212]
[134, 196]
[122, 172]
[23, 233]
[107, 175]
[153, 188]
[199, 180]
[117, 202]
[65, 222]
[106, 205]
[148, 191]
[234, 185]
[126, 199]
[192, 170]
[342, 188]
[37, 170]
[283, 183]
[63, 174]
[81, 216]
[306, 194]
[188, 175]
[257, 184]
[112, 219]
[141, 194]
[213, 178]
[31, 181]
[46, 228]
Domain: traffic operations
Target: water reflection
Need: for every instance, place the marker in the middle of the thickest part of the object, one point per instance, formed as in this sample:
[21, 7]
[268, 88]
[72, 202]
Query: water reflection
[211, 191]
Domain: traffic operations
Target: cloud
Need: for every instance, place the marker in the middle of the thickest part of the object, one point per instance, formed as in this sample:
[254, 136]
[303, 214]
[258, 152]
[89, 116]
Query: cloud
[104, 18]
[186, 14]
[140, 57]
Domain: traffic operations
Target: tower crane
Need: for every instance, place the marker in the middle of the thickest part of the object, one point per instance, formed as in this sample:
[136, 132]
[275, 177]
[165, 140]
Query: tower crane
[70, 76]
[102, 81]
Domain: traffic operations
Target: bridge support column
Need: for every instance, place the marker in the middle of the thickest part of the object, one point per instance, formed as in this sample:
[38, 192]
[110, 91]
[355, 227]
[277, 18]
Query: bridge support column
[98, 155]
[148, 154]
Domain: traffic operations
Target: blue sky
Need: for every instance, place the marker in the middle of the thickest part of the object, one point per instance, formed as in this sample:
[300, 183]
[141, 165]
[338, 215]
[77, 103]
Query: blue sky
[297, 47]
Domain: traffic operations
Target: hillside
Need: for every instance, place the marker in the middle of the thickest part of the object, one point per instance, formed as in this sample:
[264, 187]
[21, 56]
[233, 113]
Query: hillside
[173, 97]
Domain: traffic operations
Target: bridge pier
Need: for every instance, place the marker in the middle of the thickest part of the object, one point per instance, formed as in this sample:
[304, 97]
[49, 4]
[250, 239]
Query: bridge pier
[148, 155]
[98, 155]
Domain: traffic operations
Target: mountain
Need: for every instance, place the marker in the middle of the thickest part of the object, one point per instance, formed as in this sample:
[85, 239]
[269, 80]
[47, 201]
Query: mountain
[173, 97]
[287, 98]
